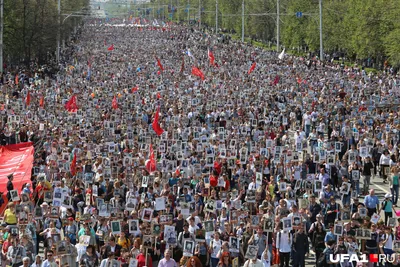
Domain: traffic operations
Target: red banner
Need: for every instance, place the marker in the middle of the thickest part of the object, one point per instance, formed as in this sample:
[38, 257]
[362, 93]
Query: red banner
[17, 160]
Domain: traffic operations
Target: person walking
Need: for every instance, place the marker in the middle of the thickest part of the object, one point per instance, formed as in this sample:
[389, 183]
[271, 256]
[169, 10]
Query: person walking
[394, 184]
[167, 261]
[371, 202]
[367, 168]
[284, 244]
[299, 247]
[387, 207]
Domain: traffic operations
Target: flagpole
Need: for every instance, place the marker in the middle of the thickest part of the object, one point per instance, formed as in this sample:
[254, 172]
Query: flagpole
[58, 32]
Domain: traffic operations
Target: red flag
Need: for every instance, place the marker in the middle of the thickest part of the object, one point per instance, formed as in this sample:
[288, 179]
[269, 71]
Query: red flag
[28, 98]
[16, 79]
[276, 80]
[211, 57]
[218, 167]
[73, 165]
[156, 125]
[197, 72]
[134, 89]
[71, 104]
[183, 64]
[151, 162]
[252, 68]
[111, 47]
[159, 64]
[178, 171]
[41, 102]
[158, 95]
[115, 103]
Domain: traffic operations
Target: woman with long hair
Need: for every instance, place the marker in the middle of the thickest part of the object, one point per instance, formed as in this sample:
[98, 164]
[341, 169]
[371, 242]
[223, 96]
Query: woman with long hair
[215, 246]
[201, 253]
[135, 251]
[194, 262]
[225, 260]
[89, 258]
[318, 240]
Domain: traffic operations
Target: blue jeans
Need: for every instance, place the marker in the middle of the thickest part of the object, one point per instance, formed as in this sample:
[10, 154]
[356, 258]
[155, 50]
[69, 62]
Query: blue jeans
[388, 251]
[307, 129]
[313, 145]
[356, 186]
[214, 262]
[395, 194]
[346, 199]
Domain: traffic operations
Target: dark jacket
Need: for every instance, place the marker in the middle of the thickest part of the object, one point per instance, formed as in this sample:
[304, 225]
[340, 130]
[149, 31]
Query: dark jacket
[117, 251]
[300, 243]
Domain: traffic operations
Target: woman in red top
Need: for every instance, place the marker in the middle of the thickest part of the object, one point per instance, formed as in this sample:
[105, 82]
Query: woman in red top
[141, 258]
[124, 258]
[6, 245]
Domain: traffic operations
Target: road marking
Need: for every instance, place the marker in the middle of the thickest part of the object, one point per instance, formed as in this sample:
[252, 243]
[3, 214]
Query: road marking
[381, 188]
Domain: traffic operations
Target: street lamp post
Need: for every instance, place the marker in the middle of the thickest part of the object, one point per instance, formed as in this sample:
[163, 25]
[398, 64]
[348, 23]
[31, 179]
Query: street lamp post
[321, 48]
[242, 20]
[199, 14]
[1, 35]
[216, 16]
[277, 27]
[58, 32]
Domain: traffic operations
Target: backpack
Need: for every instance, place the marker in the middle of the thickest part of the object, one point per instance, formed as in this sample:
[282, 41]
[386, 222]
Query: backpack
[384, 203]
[321, 262]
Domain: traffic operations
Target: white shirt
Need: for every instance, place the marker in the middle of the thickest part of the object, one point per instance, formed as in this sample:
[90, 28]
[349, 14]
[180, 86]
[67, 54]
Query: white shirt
[81, 249]
[196, 220]
[385, 160]
[192, 229]
[266, 262]
[47, 263]
[284, 241]
[253, 186]
[250, 263]
[389, 243]
[306, 119]
[215, 246]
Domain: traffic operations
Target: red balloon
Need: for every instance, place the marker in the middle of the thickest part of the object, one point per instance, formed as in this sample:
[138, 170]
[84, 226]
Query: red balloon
[158, 72]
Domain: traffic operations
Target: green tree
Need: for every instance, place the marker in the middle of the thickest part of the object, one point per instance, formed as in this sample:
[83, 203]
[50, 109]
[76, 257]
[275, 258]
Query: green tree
[30, 27]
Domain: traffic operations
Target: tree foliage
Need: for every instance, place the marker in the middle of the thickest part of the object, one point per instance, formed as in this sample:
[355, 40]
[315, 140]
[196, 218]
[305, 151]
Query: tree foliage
[30, 28]
[359, 28]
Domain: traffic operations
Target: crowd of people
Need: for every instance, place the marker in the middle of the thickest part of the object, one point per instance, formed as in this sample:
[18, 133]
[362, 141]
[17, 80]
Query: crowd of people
[163, 145]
